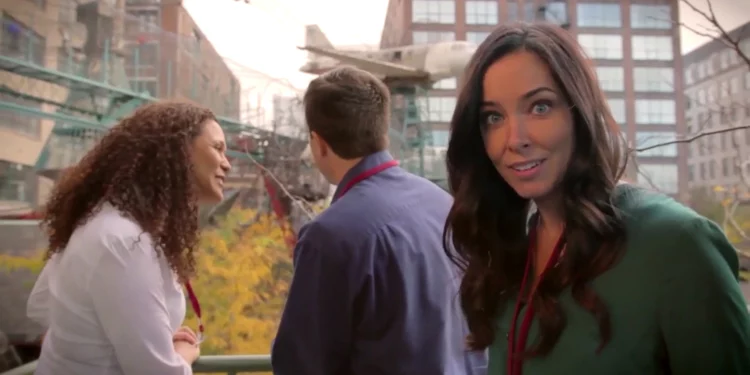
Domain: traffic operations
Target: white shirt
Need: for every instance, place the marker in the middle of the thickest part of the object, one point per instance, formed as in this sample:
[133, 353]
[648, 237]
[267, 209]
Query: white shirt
[111, 304]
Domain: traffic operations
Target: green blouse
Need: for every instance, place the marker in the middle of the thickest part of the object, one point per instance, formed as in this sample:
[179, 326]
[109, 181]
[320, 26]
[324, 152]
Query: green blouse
[674, 300]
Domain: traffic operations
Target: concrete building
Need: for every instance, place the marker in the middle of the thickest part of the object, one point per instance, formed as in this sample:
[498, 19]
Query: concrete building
[635, 48]
[170, 57]
[31, 31]
[717, 88]
[48, 34]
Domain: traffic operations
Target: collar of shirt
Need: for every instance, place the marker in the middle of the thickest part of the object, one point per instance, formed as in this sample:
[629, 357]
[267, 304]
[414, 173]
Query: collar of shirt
[369, 161]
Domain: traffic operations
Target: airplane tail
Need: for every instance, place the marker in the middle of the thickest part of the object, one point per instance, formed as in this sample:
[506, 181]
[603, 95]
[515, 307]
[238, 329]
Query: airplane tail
[314, 37]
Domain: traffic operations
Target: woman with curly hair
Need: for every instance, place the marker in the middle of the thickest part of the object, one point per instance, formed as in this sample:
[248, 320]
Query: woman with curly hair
[602, 277]
[123, 228]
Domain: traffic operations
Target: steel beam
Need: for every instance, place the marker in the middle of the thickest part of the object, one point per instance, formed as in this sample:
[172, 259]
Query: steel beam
[78, 83]
[8, 106]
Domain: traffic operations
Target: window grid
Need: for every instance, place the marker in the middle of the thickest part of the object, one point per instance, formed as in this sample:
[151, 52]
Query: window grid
[21, 42]
[599, 15]
[650, 16]
[652, 47]
[599, 46]
[476, 37]
[617, 108]
[646, 139]
[653, 79]
[611, 78]
[481, 13]
[434, 11]
[445, 84]
[660, 111]
[662, 177]
[436, 108]
[439, 138]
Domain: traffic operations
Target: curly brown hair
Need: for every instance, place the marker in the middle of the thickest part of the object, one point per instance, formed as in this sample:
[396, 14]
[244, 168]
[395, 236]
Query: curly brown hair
[142, 167]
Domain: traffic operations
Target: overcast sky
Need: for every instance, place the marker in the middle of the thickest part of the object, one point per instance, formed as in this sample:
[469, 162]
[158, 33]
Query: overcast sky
[263, 36]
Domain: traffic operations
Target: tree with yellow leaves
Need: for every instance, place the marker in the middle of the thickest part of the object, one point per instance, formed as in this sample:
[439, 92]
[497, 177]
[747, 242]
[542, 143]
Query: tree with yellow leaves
[10, 263]
[736, 214]
[244, 270]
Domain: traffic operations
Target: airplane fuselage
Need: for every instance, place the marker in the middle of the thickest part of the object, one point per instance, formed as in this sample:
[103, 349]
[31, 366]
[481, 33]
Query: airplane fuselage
[440, 60]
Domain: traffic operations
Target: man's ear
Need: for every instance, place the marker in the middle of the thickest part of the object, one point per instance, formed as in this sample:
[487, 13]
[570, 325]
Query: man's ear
[320, 143]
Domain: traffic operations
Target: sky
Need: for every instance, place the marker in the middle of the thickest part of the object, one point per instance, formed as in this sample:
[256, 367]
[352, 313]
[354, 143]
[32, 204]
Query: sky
[259, 40]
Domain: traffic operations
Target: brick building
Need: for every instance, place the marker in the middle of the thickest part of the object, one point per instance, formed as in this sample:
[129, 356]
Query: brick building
[170, 57]
[634, 45]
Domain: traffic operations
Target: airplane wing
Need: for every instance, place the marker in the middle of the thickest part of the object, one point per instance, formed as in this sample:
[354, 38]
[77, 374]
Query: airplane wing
[376, 67]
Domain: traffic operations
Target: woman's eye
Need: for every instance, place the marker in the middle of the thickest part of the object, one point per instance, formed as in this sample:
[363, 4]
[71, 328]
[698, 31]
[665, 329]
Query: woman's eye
[492, 119]
[540, 108]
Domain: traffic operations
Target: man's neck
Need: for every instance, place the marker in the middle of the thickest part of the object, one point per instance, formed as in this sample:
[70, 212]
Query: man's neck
[342, 166]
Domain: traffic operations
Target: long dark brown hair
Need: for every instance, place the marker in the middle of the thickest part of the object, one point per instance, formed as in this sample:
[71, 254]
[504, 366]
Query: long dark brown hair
[142, 167]
[486, 231]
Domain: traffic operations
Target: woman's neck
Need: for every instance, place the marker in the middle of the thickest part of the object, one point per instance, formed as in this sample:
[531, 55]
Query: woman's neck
[551, 217]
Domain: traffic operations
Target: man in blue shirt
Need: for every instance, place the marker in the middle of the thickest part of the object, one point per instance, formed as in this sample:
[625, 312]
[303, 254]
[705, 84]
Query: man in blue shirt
[373, 292]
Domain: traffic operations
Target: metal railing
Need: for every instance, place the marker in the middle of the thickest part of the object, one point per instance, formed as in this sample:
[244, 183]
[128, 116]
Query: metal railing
[228, 364]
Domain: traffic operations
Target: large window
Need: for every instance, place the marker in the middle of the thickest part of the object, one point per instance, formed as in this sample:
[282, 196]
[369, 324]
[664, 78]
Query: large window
[650, 16]
[617, 107]
[599, 15]
[653, 79]
[556, 12]
[477, 36]
[662, 177]
[604, 47]
[651, 111]
[439, 138]
[481, 12]
[434, 11]
[516, 13]
[146, 21]
[611, 78]
[20, 42]
[437, 108]
[426, 37]
[648, 139]
[650, 47]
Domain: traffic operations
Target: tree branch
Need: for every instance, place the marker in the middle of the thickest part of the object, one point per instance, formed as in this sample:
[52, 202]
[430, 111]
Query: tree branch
[691, 138]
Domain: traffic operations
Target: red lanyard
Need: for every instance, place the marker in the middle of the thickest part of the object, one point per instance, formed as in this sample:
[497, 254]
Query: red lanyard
[196, 308]
[365, 175]
[515, 350]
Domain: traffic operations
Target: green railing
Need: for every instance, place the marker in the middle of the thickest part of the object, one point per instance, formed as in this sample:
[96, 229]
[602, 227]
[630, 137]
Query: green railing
[227, 364]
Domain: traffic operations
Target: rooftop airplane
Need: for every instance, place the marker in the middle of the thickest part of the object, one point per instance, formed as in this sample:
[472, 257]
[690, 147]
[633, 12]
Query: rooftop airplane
[413, 65]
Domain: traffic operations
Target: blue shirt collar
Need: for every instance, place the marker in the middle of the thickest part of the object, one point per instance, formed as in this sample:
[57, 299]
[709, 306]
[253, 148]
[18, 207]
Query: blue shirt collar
[368, 162]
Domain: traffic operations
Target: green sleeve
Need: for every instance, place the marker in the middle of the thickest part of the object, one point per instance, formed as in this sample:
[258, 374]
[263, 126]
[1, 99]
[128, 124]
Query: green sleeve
[703, 316]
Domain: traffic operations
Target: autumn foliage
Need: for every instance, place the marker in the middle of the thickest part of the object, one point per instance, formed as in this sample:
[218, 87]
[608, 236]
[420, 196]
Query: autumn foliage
[244, 271]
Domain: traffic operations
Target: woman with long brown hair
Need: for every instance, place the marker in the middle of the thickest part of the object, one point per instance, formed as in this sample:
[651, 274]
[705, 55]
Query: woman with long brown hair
[567, 270]
[123, 229]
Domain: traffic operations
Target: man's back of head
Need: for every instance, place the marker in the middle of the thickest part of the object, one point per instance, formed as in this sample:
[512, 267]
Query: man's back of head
[349, 110]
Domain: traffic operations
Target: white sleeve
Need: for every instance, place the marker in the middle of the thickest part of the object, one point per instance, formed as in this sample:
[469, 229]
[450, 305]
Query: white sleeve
[128, 297]
[37, 307]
